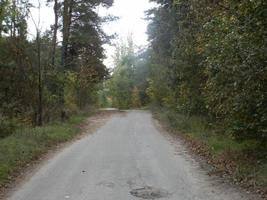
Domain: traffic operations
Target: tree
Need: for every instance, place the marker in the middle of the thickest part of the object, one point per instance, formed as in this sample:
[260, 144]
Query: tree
[35, 87]
[128, 83]
[208, 58]
[136, 103]
[55, 31]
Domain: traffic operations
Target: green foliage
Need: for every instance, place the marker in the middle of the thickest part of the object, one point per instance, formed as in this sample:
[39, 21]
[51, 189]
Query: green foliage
[244, 161]
[34, 89]
[209, 59]
[128, 84]
[236, 68]
[26, 144]
[104, 100]
[7, 126]
[199, 128]
[135, 97]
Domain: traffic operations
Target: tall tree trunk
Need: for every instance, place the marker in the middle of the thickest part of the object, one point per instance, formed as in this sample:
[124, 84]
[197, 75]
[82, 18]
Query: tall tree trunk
[1, 25]
[54, 40]
[67, 16]
[40, 92]
[13, 19]
[1, 18]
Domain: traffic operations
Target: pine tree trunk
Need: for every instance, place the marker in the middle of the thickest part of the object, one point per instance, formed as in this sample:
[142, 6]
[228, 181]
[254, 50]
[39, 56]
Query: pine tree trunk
[67, 16]
[54, 41]
[40, 95]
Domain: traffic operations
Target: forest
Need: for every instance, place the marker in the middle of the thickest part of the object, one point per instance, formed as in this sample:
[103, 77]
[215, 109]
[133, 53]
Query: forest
[204, 72]
[42, 78]
[49, 78]
[205, 58]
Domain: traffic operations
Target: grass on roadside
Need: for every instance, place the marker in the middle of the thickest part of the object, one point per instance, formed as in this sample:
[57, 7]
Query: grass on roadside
[27, 144]
[239, 159]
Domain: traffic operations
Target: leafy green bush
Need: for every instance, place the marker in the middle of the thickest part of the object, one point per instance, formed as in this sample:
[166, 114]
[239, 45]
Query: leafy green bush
[235, 63]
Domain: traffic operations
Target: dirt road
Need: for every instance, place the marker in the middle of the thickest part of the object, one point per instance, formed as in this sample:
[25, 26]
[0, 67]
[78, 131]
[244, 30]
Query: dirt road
[128, 158]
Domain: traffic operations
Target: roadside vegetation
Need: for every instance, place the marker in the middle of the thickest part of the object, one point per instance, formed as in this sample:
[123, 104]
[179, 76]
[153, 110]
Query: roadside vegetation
[243, 162]
[47, 77]
[44, 77]
[205, 74]
[204, 71]
[27, 144]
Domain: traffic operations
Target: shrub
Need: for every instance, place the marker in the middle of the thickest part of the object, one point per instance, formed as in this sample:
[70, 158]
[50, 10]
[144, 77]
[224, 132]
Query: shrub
[7, 126]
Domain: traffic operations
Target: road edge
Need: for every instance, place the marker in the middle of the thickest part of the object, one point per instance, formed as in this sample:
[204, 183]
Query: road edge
[88, 126]
[201, 159]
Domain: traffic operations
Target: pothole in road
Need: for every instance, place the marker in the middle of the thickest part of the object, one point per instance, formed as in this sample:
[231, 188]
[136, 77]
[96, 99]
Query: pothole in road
[149, 193]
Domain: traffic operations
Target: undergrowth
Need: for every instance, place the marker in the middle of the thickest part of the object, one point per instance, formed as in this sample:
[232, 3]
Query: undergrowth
[242, 160]
[27, 144]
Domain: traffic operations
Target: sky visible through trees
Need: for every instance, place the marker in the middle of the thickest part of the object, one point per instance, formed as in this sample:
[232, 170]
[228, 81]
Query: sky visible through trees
[199, 63]
[131, 20]
[204, 72]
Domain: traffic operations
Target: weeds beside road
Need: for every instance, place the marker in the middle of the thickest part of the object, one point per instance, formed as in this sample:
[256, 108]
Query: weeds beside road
[27, 144]
[242, 162]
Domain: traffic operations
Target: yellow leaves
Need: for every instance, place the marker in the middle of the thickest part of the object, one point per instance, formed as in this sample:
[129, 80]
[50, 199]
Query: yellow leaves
[136, 103]
[199, 50]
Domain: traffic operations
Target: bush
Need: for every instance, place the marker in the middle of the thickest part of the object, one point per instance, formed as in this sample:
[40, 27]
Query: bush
[7, 126]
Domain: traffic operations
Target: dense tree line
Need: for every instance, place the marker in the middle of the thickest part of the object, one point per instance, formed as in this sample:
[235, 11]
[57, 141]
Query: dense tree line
[45, 78]
[211, 58]
[207, 58]
[127, 87]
